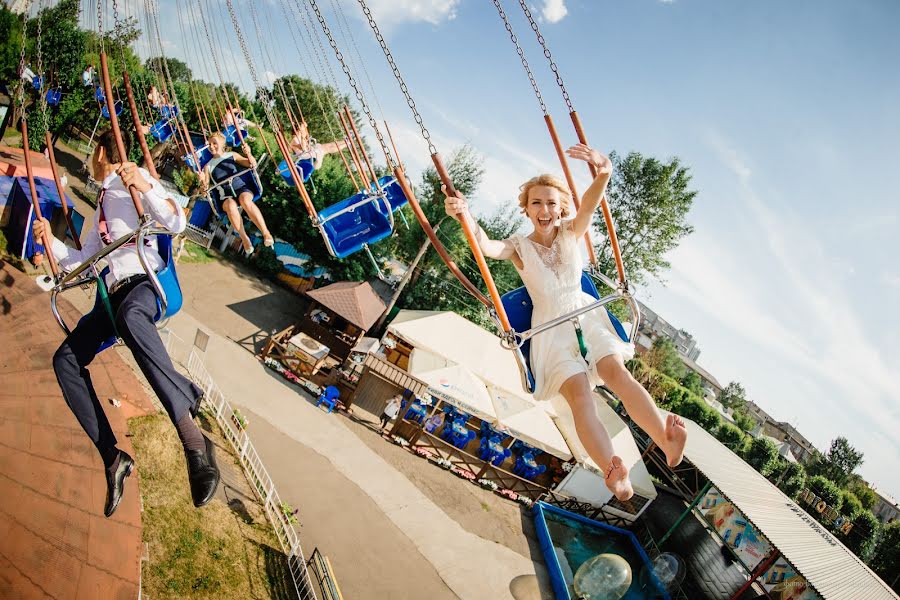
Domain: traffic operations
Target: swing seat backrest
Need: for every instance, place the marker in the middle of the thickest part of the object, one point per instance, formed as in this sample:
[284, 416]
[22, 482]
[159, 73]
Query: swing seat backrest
[162, 130]
[304, 166]
[168, 112]
[99, 95]
[203, 155]
[518, 307]
[105, 110]
[253, 182]
[365, 224]
[37, 82]
[168, 279]
[53, 97]
[231, 136]
[393, 192]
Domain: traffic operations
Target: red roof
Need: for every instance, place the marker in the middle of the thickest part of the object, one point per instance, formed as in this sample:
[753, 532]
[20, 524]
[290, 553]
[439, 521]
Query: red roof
[355, 301]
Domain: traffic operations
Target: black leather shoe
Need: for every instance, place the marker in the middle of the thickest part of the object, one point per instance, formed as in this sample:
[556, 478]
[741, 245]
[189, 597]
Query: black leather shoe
[195, 407]
[203, 474]
[115, 482]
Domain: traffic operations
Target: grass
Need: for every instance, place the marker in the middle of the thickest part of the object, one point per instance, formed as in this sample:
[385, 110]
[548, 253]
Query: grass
[193, 253]
[219, 551]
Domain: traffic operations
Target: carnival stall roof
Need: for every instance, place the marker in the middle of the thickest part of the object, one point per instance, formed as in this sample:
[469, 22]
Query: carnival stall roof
[355, 301]
[829, 566]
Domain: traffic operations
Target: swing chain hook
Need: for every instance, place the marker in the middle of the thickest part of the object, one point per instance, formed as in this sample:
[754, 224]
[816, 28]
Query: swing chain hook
[359, 95]
[543, 43]
[515, 40]
[432, 149]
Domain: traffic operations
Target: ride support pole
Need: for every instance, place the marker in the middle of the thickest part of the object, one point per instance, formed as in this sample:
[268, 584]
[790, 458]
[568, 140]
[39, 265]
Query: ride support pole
[362, 148]
[45, 236]
[298, 181]
[48, 139]
[142, 140]
[352, 147]
[604, 206]
[393, 145]
[117, 133]
[435, 241]
[570, 181]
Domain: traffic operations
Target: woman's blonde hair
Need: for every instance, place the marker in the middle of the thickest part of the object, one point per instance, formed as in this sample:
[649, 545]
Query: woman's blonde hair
[565, 198]
[219, 135]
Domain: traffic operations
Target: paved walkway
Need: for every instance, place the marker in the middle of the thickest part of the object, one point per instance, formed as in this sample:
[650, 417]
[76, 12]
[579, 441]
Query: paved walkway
[287, 428]
[54, 539]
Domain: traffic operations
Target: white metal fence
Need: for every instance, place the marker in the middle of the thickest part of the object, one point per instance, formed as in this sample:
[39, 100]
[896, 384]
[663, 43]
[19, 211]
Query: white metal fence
[215, 403]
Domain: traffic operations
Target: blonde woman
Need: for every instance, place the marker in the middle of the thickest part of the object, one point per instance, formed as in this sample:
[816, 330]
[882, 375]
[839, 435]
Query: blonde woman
[306, 147]
[237, 194]
[550, 263]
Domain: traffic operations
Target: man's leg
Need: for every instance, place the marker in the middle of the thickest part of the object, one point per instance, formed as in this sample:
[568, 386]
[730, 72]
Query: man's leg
[70, 364]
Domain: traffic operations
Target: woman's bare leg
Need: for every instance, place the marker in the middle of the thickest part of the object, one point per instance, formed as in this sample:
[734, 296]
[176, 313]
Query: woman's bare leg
[234, 216]
[669, 434]
[246, 200]
[594, 437]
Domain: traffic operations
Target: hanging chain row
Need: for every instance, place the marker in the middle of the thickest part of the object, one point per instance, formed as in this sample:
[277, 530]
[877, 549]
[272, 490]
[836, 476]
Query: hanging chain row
[40, 65]
[543, 43]
[396, 70]
[356, 90]
[20, 90]
[515, 41]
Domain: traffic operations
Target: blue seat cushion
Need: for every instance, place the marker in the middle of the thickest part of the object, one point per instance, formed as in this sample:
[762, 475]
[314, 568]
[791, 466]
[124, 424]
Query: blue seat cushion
[349, 232]
[304, 168]
[393, 192]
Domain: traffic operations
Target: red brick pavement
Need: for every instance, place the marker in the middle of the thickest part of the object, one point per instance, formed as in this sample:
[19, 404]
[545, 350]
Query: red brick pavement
[54, 540]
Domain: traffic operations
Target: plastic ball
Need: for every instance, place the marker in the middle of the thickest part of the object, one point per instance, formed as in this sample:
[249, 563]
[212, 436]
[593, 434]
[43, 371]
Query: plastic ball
[603, 577]
[669, 570]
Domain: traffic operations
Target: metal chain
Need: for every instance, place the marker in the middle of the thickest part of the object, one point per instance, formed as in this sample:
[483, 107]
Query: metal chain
[100, 25]
[515, 41]
[543, 43]
[359, 95]
[179, 116]
[40, 65]
[20, 89]
[432, 149]
[345, 33]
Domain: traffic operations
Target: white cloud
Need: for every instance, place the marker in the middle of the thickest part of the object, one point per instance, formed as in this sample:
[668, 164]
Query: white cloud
[891, 280]
[392, 12]
[554, 10]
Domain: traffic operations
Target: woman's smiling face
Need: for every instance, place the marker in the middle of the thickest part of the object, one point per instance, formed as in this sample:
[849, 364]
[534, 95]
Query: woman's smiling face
[543, 208]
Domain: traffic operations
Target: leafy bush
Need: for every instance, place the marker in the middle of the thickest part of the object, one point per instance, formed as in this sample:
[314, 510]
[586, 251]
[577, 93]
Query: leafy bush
[793, 480]
[762, 455]
[695, 409]
[885, 560]
[863, 538]
[827, 490]
[731, 436]
[851, 506]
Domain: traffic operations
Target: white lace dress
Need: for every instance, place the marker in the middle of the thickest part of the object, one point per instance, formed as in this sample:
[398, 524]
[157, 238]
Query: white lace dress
[553, 279]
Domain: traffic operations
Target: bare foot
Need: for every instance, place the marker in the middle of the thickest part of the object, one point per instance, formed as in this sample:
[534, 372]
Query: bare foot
[617, 479]
[676, 438]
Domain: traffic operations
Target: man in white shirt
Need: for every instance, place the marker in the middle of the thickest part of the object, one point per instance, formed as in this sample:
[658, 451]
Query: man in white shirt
[133, 302]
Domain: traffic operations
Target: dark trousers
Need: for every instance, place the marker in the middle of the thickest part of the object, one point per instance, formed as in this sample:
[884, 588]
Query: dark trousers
[135, 308]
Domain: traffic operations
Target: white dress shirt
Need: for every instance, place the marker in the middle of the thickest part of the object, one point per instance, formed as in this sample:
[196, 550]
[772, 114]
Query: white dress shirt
[122, 220]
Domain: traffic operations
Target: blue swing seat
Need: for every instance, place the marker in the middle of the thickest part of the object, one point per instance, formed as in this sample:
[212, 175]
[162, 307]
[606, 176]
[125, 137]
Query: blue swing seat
[105, 110]
[203, 155]
[162, 130]
[392, 190]
[168, 279]
[168, 112]
[518, 307]
[53, 96]
[304, 166]
[99, 95]
[350, 232]
[37, 82]
[203, 211]
[231, 136]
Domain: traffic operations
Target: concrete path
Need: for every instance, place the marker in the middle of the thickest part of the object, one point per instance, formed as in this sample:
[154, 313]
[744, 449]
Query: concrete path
[471, 566]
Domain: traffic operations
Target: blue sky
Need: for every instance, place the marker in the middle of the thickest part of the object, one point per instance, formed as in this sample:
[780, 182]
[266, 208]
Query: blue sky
[788, 114]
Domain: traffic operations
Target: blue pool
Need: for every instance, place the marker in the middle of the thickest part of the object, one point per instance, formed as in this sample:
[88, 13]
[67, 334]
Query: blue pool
[569, 540]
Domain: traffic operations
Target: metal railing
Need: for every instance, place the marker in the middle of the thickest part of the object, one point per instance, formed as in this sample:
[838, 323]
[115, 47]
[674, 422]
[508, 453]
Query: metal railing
[217, 405]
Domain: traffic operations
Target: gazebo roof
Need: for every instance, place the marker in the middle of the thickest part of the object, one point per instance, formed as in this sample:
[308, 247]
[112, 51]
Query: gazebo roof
[355, 301]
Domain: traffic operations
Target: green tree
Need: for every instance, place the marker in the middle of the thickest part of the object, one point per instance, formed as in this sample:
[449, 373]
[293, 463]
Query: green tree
[863, 538]
[731, 436]
[695, 409]
[793, 479]
[762, 455]
[862, 491]
[733, 396]
[850, 504]
[840, 461]
[826, 490]
[743, 419]
[649, 200]
[886, 558]
[692, 382]
[664, 358]
[172, 67]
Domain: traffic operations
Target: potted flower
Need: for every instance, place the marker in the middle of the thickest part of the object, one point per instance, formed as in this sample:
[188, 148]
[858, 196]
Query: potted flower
[508, 493]
[526, 501]
[239, 420]
[488, 484]
[444, 463]
[463, 473]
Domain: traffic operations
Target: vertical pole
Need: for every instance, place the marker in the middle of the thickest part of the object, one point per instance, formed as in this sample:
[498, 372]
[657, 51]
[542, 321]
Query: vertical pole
[59, 190]
[45, 236]
[142, 140]
[686, 512]
[362, 148]
[352, 147]
[758, 572]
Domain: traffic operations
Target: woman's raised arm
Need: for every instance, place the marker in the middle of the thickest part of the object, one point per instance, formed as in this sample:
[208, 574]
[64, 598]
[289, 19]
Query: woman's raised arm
[590, 200]
[457, 207]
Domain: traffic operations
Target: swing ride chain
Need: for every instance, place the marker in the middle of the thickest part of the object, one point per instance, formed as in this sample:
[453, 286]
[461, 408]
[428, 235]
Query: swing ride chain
[356, 90]
[20, 91]
[515, 41]
[543, 43]
[40, 66]
[432, 149]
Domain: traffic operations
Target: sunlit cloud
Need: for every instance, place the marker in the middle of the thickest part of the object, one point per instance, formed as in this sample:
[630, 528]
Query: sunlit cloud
[554, 10]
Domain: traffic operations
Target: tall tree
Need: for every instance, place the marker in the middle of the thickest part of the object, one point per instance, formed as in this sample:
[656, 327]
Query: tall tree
[733, 396]
[177, 69]
[840, 461]
[762, 455]
[663, 357]
[886, 559]
[693, 382]
[649, 200]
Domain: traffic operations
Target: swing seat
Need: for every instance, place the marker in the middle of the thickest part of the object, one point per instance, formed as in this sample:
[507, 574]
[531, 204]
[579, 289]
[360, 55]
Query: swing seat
[168, 279]
[394, 193]
[53, 97]
[231, 136]
[367, 223]
[203, 155]
[105, 110]
[99, 95]
[304, 167]
[38, 82]
[518, 307]
[206, 219]
[162, 130]
[168, 112]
